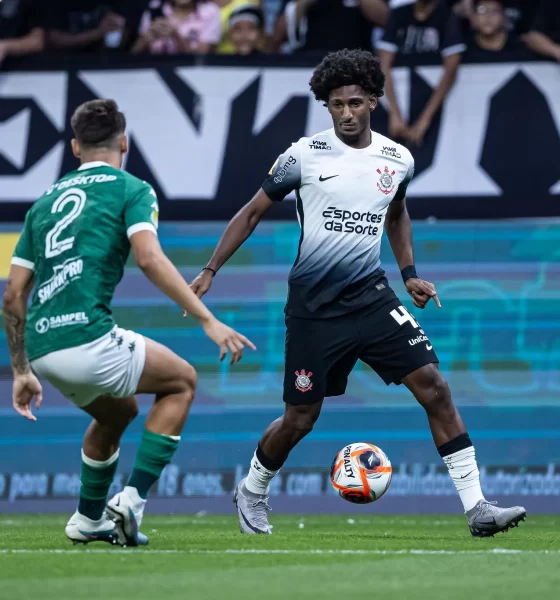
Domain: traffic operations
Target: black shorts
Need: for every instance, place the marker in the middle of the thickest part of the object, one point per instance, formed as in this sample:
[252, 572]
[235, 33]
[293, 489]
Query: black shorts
[321, 353]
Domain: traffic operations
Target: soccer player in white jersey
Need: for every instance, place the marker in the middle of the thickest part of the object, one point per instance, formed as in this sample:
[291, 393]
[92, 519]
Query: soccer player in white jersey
[73, 248]
[350, 183]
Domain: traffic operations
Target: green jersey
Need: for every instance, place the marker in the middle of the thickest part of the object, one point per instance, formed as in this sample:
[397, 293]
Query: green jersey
[76, 240]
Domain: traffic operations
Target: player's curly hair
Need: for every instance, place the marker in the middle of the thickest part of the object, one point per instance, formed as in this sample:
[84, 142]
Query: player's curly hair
[97, 123]
[347, 67]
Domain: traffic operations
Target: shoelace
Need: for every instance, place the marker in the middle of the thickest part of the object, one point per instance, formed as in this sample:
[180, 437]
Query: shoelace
[486, 507]
[261, 519]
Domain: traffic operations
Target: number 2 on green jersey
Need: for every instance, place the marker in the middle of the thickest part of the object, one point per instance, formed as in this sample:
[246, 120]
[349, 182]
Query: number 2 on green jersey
[54, 246]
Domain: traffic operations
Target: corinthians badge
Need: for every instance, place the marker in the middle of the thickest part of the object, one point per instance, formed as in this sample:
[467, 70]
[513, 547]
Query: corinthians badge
[385, 183]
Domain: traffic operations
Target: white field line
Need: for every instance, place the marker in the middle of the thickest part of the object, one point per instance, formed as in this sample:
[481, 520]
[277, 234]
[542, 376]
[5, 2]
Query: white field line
[281, 552]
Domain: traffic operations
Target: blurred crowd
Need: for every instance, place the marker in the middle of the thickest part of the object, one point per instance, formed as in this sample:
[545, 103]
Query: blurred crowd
[245, 27]
[446, 29]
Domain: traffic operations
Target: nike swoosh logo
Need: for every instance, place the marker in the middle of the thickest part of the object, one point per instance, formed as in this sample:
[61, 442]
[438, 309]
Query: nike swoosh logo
[321, 178]
[428, 347]
[463, 476]
[492, 522]
[252, 527]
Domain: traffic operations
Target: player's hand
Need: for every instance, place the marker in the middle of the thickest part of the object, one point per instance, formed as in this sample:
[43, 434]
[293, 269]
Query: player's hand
[111, 22]
[398, 127]
[227, 339]
[421, 292]
[162, 28]
[26, 386]
[202, 283]
[416, 133]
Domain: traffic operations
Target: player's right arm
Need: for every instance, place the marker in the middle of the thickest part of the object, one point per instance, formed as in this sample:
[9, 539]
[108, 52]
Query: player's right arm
[283, 178]
[18, 288]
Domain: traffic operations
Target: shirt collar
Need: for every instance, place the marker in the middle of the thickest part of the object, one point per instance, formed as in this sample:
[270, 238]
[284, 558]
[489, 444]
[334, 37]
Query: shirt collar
[93, 165]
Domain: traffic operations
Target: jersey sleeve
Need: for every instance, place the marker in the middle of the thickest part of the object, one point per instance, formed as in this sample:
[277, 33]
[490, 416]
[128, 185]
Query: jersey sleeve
[142, 211]
[389, 41]
[401, 191]
[285, 175]
[453, 42]
[23, 254]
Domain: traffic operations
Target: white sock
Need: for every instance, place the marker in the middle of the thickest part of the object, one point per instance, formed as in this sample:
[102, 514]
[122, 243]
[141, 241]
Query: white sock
[259, 478]
[463, 470]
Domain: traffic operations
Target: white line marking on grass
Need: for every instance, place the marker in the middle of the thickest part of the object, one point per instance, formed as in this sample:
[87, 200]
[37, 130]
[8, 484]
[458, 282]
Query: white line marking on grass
[272, 551]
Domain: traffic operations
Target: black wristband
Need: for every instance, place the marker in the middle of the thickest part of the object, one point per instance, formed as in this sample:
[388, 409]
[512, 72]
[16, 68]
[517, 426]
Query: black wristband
[210, 269]
[409, 273]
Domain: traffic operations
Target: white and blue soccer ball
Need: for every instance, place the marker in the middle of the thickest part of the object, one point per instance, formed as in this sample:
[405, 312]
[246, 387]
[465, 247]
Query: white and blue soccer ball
[361, 473]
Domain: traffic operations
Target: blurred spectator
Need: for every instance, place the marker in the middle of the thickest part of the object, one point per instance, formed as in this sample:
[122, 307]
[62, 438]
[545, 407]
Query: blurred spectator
[544, 34]
[246, 30]
[226, 8]
[490, 28]
[179, 26]
[330, 25]
[423, 27]
[519, 13]
[278, 41]
[86, 25]
[21, 28]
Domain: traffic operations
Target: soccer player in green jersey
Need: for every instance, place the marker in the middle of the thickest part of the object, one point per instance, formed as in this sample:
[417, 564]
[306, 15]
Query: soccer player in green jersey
[72, 251]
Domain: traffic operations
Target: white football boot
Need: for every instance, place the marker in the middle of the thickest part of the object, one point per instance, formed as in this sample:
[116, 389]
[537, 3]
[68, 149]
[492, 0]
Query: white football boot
[126, 509]
[82, 530]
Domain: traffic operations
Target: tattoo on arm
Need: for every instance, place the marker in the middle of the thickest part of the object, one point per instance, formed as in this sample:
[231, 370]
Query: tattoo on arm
[15, 334]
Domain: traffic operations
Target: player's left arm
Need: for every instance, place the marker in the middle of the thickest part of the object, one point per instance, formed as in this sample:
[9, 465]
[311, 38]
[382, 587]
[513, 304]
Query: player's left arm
[399, 233]
[452, 53]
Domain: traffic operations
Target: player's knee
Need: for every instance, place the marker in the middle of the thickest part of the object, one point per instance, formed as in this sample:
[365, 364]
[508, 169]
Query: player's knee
[131, 413]
[189, 379]
[301, 418]
[434, 394]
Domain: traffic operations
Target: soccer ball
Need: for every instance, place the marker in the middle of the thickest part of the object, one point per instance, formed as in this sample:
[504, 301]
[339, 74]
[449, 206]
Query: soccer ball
[361, 473]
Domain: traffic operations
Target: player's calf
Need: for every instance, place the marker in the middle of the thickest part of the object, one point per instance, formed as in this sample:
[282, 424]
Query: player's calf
[251, 495]
[457, 451]
[100, 454]
[173, 381]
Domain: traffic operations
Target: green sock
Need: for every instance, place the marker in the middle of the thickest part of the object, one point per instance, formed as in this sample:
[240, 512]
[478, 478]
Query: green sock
[155, 452]
[97, 477]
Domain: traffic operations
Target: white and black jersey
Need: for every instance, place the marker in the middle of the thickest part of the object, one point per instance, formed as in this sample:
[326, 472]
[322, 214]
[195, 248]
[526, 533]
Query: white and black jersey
[441, 33]
[342, 198]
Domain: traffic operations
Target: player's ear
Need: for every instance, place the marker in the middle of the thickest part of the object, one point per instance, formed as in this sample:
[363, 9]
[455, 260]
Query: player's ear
[124, 144]
[76, 148]
[373, 102]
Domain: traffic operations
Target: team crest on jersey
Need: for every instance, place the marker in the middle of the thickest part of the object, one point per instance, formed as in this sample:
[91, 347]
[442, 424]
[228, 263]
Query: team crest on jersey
[303, 380]
[155, 214]
[385, 183]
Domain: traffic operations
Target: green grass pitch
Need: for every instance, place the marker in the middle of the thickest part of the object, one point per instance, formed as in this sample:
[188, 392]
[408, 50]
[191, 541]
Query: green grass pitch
[312, 557]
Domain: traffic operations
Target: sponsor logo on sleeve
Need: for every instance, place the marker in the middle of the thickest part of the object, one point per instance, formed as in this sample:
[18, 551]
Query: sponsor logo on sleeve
[283, 171]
